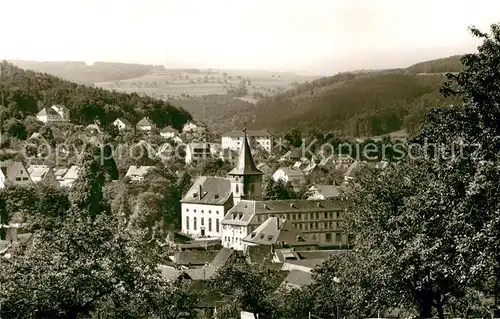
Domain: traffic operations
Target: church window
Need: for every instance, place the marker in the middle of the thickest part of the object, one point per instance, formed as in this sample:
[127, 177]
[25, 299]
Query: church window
[237, 188]
[187, 222]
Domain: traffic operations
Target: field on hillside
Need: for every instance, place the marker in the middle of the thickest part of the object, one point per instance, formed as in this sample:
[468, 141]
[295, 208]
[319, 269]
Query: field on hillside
[179, 83]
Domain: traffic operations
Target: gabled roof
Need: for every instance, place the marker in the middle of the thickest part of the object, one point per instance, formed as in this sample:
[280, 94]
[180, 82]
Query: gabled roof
[194, 257]
[264, 168]
[249, 133]
[124, 121]
[274, 230]
[241, 214]
[291, 171]
[294, 153]
[60, 107]
[196, 122]
[171, 273]
[72, 172]
[214, 190]
[93, 127]
[140, 171]
[60, 172]
[145, 121]
[298, 278]
[246, 165]
[48, 111]
[222, 257]
[38, 170]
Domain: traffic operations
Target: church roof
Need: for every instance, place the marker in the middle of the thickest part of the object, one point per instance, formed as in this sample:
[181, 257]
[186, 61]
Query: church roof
[246, 165]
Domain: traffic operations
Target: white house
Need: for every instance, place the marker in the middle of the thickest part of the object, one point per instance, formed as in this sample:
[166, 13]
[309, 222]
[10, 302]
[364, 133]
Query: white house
[236, 224]
[196, 152]
[13, 172]
[169, 132]
[289, 174]
[55, 113]
[137, 173]
[194, 127]
[234, 140]
[204, 206]
[70, 176]
[145, 124]
[122, 124]
[39, 173]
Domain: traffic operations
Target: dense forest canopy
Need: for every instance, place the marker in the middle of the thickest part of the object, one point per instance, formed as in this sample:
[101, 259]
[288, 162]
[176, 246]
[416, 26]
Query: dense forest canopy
[360, 103]
[26, 92]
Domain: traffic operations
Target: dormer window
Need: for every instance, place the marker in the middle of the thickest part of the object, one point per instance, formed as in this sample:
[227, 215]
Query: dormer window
[253, 235]
[262, 236]
[270, 237]
[195, 195]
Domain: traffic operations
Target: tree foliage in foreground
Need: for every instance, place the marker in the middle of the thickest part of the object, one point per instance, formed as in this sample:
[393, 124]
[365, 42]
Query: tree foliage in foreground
[427, 230]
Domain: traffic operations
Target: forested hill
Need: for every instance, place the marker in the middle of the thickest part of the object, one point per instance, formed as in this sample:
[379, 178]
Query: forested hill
[26, 92]
[79, 72]
[360, 103]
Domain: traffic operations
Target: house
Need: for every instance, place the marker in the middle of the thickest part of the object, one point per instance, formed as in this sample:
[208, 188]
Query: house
[145, 124]
[193, 258]
[55, 113]
[273, 231]
[296, 279]
[256, 139]
[342, 161]
[204, 206]
[70, 176]
[304, 265]
[292, 155]
[14, 173]
[59, 174]
[40, 173]
[264, 168]
[122, 124]
[196, 152]
[169, 132]
[236, 224]
[194, 127]
[137, 173]
[289, 174]
[324, 192]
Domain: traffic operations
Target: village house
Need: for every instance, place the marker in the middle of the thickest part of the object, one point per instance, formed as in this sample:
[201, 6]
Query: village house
[273, 231]
[256, 139]
[59, 174]
[265, 169]
[196, 152]
[289, 174]
[137, 173]
[13, 172]
[169, 132]
[204, 206]
[292, 155]
[93, 128]
[145, 124]
[40, 173]
[55, 113]
[122, 124]
[194, 127]
[70, 176]
[229, 155]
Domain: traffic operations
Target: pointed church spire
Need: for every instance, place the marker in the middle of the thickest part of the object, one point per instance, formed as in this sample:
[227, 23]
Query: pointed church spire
[246, 165]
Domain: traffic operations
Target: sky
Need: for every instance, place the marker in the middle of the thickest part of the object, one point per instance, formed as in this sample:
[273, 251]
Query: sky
[291, 35]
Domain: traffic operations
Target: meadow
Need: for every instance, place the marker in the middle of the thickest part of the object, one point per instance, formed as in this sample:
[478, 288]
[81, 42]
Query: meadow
[174, 84]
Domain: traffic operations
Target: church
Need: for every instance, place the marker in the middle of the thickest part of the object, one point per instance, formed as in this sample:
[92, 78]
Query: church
[231, 209]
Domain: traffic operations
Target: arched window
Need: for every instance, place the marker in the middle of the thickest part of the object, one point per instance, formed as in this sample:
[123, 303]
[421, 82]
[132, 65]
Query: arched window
[251, 188]
[194, 223]
[237, 188]
[187, 222]
[210, 224]
[217, 225]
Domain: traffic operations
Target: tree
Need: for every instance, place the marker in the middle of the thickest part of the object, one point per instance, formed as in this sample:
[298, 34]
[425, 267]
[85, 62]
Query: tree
[15, 128]
[74, 268]
[86, 193]
[148, 216]
[184, 183]
[294, 137]
[279, 190]
[248, 285]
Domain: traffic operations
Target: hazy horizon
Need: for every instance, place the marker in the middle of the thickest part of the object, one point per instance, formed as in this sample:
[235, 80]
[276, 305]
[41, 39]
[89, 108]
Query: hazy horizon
[319, 37]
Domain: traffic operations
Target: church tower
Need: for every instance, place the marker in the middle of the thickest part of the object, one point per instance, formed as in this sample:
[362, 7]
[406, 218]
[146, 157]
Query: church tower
[246, 179]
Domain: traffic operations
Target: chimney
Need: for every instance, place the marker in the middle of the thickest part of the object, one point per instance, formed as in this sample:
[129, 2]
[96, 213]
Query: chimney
[199, 192]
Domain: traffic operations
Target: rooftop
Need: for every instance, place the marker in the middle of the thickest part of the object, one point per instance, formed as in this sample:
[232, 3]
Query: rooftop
[274, 230]
[249, 133]
[209, 190]
[245, 165]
